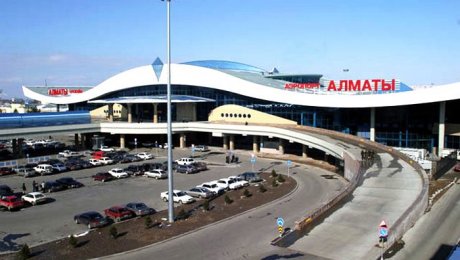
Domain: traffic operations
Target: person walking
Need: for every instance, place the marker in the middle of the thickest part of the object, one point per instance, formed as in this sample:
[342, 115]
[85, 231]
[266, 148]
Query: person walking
[24, 188]
[34, 186]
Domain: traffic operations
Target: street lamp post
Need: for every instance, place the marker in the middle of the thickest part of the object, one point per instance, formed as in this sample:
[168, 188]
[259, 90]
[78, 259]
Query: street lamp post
[169, 125]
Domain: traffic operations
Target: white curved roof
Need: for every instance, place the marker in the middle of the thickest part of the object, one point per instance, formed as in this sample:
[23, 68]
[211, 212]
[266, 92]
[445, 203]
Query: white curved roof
[183, 74]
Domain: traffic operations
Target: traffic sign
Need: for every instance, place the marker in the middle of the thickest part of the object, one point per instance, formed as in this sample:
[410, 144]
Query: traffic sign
[253, 160]
[280, 229]
[289, 163]
[280, 222]
[383, 230]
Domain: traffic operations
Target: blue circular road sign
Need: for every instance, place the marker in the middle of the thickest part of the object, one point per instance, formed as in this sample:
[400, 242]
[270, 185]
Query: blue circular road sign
[280, 222]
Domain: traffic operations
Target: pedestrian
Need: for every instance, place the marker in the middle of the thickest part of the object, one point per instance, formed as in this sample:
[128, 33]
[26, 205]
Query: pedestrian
[24, 188]
[42, 186]
[34, 186]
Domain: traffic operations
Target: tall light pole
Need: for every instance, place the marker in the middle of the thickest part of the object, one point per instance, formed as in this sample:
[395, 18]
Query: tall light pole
[169, 125]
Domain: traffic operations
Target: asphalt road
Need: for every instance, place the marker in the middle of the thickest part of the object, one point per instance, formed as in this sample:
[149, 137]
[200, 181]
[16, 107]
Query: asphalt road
[436, 232]
[248, 235]
[53, 220]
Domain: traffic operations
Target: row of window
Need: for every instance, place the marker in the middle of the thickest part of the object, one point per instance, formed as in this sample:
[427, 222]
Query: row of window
[235, 115]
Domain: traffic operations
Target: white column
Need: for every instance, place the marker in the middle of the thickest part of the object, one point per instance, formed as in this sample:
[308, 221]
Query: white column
[304, 151]
[225, 142]
[442, 130]
[122, 141]
[232, 142]
[255, 148]
[372, 130]
[281, 146]
[182, 141]
[155, 113]
[130, 113]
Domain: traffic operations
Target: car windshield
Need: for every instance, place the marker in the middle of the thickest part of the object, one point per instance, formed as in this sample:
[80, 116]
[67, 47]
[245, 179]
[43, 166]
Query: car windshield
[181, 193]
[140, 206]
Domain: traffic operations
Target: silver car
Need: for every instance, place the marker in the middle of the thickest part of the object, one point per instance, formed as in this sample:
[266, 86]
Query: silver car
[27, 172]
[200, 192]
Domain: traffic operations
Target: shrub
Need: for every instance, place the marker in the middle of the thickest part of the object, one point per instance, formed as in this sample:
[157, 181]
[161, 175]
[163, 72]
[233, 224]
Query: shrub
[228, 200]
[73, 241]
[281, 178]
[182, 214]
[206, 205]
[24, 253]
[274, 174]
[113, 232]
[246, 193]
[147, 222]
[262, 188]
[274, 183]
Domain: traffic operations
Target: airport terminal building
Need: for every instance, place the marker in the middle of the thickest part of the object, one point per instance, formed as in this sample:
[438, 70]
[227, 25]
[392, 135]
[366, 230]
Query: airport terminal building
[384, 110]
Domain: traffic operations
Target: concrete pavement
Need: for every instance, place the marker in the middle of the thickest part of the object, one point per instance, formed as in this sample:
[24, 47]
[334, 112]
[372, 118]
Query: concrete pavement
[390, 186]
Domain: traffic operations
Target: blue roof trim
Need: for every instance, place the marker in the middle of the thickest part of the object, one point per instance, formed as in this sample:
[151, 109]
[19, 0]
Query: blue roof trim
[225, 65]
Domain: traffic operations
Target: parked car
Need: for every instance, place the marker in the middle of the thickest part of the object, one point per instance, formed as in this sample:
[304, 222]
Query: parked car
[156, 173]
[106, 160]
[118, 213]
[200, 192]
[5, 190]
[95, 162]
[59, 167]
[178, 196]
[6, 171]
[69, 182]
[130, 158]
[185, 161]
[11, 202]
[52, 186]
[44, 169]
[26, 172]
[103, 176]
[240, 180]
[118, 173]
[73, 166]
[212, 187]
[230, 183]
[68, 153]
[165, 146]
[106, 149]
[200, 166]
[145, 156]
[34, 198]
[201, 148]
[187, 169]
[136, 170]
[139, 208]
[92, 219]
[20, 168]
[250, 177]
[457, 167]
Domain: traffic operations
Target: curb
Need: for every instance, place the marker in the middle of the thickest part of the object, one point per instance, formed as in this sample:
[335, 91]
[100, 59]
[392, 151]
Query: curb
[204, 227]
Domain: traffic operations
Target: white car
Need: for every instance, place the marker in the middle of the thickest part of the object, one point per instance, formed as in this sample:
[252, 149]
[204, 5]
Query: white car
[105, 160]
[106, 149]
[145, 156]
[156, 173]
[185, 161]
[118, 173]
[44, 169]
[95, 162]
[178, 196]
[230, 183]
[34, 198]
[68, 153]
[243, 183]
[212, 187]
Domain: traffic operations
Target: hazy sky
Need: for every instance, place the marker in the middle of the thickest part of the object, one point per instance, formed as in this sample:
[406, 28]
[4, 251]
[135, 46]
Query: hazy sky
[83, 42]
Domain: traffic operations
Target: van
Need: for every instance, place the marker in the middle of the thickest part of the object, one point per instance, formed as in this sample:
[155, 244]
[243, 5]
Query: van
[44, 169]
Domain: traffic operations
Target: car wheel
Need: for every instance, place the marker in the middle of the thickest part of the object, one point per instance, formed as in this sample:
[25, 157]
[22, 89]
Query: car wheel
[76, 221]
[34, 203]
[156, 178]
[102, 180]
[165, 199]
[89, 226]
[117, 219]
[180, 202]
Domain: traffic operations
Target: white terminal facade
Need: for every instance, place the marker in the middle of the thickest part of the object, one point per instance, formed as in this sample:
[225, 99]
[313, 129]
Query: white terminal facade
[383, 110]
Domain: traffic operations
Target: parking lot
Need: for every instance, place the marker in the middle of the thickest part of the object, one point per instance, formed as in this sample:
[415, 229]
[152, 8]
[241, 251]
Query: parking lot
[54, 219]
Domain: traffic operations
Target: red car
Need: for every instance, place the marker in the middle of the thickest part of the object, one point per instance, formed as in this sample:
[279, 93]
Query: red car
[103, 176]
[117, 213]
[6, 171]
[457, 167]
[11, 202]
